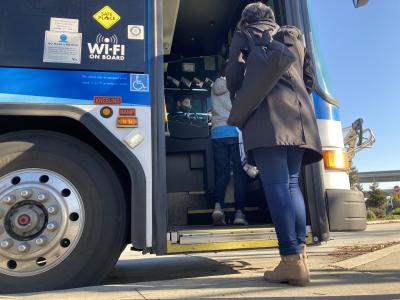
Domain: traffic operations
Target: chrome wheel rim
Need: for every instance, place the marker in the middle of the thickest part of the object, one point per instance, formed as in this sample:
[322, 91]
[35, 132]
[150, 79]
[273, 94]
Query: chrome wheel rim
[41, 221]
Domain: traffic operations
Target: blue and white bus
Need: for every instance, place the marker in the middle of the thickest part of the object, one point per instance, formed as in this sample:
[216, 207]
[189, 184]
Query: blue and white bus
[88, 162]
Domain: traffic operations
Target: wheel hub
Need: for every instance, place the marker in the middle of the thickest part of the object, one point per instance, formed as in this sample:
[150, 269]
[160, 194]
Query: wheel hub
[41, 221]
[25, 220]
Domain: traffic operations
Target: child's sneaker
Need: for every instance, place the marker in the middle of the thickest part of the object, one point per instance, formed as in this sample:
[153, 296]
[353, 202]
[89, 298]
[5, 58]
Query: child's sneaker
[218, 215]
[240, 218]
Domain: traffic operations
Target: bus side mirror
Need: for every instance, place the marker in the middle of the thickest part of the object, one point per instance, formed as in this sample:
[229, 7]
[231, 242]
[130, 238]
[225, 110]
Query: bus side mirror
[359, 3]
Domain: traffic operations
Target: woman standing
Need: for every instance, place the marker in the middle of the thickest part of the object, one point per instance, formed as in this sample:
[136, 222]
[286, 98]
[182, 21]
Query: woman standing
[280, 136]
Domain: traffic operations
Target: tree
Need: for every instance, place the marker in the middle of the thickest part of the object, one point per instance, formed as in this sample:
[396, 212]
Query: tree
[376, 197]
[354, 179]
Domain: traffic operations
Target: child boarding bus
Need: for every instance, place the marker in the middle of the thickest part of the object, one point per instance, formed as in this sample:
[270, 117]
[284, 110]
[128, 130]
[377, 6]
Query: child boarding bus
[88, 164]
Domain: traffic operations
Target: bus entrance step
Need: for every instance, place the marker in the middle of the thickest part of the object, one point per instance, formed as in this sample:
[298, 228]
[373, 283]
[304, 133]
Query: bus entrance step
[202, 217]
[226, 210]
[213, 235]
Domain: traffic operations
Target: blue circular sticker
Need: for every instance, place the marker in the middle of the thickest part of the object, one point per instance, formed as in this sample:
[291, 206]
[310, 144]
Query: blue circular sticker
[63, 38]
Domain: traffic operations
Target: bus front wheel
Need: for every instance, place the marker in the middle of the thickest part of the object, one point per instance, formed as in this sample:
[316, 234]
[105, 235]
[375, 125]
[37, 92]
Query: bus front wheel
[62, 213]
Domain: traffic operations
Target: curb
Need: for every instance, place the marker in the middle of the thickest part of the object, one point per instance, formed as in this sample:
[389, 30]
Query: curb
[351, 263]
[383, 222]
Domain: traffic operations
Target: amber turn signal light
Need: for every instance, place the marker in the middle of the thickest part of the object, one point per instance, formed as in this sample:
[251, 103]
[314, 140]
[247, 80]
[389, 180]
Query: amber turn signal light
[131, 122]
[336, 160]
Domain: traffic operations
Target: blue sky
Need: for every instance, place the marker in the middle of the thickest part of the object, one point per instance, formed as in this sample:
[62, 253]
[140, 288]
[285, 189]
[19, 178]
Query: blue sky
[361, 52]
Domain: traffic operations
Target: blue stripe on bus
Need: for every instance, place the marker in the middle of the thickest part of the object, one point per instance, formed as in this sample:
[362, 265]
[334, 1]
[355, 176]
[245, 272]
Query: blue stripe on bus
[67, 87]
[325, 110]
[149, 71]
[24, 99]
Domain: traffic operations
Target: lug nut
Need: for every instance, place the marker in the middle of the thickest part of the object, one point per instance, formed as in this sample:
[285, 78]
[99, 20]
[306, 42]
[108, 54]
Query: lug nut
[52, 210]
[42, 197]
[26, 194]
[51, 226]
[9, 200]
[40, 240]
[5, 244]
[23, 247]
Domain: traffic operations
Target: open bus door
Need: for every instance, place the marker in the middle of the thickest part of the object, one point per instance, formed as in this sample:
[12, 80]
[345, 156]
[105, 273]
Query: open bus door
[196, 44]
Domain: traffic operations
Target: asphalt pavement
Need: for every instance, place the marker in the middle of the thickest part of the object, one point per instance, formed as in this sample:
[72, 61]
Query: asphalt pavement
[238, 274]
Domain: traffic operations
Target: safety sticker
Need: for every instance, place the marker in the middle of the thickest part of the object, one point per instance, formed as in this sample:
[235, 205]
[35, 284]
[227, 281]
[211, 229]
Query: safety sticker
[64, 25]
[135, 32]
[107, 17]
[107, 100]
[62, 47]
[107, 48]
[140, 83]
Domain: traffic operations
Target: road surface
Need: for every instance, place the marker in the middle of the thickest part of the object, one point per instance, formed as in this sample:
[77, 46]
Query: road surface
[239, 274]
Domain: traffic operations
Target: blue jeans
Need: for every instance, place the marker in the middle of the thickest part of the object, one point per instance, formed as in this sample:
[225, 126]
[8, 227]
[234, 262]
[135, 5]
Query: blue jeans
[227, 158]
[279, 172]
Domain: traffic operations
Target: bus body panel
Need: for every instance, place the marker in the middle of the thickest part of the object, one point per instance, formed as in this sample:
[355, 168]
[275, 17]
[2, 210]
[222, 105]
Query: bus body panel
[330, 131]
[134, 161]
[117, 83]
[104, 46]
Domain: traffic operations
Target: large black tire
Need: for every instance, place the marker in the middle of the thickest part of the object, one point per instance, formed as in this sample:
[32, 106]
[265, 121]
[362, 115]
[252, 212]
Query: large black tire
[103, 235]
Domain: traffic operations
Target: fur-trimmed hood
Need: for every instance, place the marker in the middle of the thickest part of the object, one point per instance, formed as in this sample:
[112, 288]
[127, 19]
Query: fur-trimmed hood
[262, 26]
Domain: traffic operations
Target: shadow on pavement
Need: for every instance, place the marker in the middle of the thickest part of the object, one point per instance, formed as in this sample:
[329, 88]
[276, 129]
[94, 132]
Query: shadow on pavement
[166, 268]
[325, 284]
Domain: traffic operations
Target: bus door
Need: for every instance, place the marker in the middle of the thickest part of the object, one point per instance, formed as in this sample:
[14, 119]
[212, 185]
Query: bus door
[196, 40]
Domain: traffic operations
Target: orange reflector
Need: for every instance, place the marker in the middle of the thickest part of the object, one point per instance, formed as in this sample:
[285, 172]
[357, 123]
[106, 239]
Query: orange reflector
[336, 160]
[127, 122]
[106, 112]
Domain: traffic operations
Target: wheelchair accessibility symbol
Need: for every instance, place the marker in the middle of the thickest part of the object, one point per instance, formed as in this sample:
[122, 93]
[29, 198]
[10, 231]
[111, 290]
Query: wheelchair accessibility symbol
[139, 82]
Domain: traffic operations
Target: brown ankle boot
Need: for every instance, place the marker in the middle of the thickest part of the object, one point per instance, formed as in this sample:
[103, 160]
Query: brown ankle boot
[292, 269]
[303, 250]
[303, 253]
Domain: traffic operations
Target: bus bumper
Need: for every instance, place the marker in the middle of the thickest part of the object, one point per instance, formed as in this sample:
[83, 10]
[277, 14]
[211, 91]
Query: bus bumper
[346, 210]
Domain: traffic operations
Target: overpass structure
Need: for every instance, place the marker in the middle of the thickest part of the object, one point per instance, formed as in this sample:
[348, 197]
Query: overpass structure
[379, 176]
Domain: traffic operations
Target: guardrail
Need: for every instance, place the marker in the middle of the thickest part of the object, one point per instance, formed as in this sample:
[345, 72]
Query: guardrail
[379, 176]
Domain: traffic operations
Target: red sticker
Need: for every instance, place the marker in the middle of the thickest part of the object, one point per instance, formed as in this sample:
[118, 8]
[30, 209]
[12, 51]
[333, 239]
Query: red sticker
[127, 112]
[107, 100]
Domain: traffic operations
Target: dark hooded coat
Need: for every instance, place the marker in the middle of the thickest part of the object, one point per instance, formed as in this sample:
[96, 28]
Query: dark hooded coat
[286, 116]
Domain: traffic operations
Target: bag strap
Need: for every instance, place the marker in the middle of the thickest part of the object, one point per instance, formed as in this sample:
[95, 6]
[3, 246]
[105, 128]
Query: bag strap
[266, 39]
[249, 38]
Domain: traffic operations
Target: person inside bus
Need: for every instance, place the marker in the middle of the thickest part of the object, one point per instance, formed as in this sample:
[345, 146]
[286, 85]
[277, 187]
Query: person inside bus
[225, 140]
[182, 109]
[280, 136]
[186, 105]
[183, 106]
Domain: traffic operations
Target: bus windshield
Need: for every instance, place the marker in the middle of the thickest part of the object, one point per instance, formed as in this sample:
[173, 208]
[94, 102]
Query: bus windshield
[322, 76]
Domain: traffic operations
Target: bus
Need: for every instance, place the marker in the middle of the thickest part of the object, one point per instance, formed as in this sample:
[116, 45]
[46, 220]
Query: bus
[90, 164]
